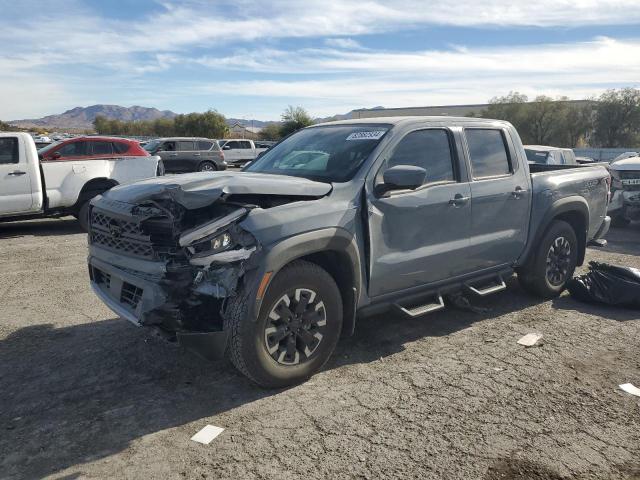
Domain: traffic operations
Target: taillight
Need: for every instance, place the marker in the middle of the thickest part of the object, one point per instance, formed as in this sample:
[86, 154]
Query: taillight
[608, 180]
[222, 155]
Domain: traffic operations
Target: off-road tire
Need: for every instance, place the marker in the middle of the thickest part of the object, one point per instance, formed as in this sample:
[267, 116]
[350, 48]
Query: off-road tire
[83, 216]
[534, 276]
[207, 166]
[246, 347]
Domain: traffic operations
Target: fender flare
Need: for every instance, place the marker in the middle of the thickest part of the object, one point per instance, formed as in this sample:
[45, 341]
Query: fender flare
[284, 252]
[569, 205]
[91, 189]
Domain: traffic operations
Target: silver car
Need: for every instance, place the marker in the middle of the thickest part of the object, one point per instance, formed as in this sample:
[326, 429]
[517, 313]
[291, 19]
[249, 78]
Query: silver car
[185, 154]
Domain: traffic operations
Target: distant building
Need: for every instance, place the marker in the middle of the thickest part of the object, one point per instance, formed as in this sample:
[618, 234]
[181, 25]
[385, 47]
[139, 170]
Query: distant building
[237, 130]
[441, 110]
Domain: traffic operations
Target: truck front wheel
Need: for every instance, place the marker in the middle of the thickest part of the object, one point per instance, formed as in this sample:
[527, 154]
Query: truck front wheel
[554, 262]
[296, 331]
[83, 215]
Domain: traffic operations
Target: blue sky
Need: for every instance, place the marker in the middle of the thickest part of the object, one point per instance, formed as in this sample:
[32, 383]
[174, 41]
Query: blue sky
[249, 58]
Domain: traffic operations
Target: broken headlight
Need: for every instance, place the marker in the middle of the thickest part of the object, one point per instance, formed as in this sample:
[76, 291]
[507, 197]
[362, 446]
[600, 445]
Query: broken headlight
[616, 182]
[219, 243]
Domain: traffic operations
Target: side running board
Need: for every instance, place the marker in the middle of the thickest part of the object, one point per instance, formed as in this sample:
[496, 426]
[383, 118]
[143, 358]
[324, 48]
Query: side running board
[496, 285]
[419, 310]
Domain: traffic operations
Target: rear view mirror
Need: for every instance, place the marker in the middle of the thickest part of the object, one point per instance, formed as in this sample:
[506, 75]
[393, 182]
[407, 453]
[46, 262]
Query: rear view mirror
[403, 177]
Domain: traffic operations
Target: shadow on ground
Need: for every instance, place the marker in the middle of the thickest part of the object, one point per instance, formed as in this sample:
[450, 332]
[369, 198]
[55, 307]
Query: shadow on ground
[75, 394]
[40, 227]
[624, 240]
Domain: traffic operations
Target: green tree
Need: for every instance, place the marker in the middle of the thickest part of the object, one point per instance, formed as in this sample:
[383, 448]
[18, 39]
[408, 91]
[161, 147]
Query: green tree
[511, 107]
[617, 118]
[577, 124]
[293, 119]
[5, 127]
[271, 131]
[542, 118]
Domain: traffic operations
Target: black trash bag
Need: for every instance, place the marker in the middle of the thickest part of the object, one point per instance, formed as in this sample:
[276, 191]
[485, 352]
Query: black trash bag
[607, 284]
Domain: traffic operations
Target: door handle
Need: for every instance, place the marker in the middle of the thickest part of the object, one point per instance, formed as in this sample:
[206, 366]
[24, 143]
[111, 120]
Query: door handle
[17, 173]
[173, 154]
[196, 154]
[459, 200]
[519, 192]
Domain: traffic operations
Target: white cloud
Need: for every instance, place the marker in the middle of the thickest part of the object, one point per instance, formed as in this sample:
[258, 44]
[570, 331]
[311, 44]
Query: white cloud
[343, 43]
[460, 76]
[76, 54]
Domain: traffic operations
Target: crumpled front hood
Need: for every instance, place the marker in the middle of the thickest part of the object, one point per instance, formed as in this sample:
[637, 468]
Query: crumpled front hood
[631, 163]
[196, 190]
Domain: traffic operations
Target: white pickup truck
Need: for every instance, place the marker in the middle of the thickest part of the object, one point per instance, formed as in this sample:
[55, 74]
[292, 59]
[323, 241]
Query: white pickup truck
[30, 188]
[239, 151]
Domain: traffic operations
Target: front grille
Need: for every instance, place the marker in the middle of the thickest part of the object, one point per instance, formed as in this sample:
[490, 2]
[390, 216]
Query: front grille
[130, 295]
[99, 219]
[102, 278]
[626, 175]
[149, 239]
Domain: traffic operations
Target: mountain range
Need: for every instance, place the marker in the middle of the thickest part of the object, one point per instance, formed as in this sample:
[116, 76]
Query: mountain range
[83, 117]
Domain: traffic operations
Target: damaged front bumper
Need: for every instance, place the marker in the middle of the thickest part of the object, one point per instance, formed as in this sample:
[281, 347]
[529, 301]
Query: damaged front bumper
[140, 298]
[182, 293]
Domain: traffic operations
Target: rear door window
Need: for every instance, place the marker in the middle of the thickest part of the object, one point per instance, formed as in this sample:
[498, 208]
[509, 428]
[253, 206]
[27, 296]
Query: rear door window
[101, 148]
[204, 145]
[245, 145]
[9, 150]
[169, 146]
[428, 149]
[185, 146]
[73, 149]
[232, 145]
[488, 152]
[120, 147]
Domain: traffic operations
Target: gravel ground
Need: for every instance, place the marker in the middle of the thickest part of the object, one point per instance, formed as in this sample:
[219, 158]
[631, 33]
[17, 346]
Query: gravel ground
[86, 395]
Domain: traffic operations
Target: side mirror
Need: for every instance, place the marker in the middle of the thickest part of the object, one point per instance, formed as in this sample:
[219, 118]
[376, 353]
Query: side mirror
[226, 147]
[402, 177]
[55, 156]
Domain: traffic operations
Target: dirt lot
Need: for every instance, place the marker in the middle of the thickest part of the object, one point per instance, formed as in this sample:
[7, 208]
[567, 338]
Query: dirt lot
[86, 395]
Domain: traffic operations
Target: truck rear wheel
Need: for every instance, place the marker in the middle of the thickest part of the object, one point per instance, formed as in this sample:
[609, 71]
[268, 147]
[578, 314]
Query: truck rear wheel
[296, 331]
[554, 262]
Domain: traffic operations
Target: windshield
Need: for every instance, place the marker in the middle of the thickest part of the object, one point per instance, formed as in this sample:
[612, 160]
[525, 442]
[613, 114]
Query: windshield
[152, 145]
[44, 150]
[327, 154]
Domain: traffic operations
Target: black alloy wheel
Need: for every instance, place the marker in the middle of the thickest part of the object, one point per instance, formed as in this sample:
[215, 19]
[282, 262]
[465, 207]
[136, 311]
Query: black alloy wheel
[295, 326]
[558, 261]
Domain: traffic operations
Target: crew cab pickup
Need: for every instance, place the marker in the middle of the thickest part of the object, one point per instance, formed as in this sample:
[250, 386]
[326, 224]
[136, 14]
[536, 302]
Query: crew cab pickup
[338, 221]
[31, 188]
[239, 151]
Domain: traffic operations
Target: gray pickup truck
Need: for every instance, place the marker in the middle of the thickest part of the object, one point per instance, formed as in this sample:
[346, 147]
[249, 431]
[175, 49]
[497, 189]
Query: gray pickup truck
[338, 221]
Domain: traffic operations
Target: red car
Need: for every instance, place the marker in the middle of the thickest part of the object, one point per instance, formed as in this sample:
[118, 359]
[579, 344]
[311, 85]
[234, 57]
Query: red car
[87, 148]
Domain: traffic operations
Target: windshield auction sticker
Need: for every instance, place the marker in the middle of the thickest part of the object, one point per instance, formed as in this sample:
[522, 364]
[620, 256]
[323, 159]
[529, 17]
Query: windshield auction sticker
[374, 135]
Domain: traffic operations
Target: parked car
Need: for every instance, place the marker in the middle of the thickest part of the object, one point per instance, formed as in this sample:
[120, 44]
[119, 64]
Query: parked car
[625, 190]
[625, 155]
[240, 151]
[545, 155]
[585, 160]
[63, 180]
[91, 148]
[186, 154]
[271, 264]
